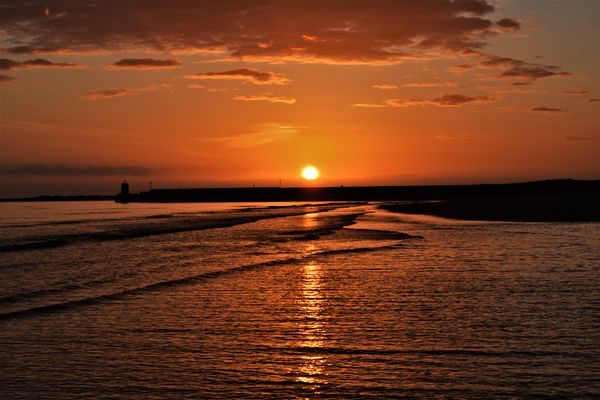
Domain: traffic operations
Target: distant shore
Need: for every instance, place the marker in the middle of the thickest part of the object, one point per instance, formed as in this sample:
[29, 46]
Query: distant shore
[550, 200]
[564, 208]
[61, 198]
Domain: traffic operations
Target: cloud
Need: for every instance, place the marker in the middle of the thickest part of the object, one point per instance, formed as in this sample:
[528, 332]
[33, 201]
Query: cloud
[262, 134]
[385, 86]
[518, 69]
[430, 84]
[509, 23]
[4, 79]
[370, 105]
[548, 110]
[120, 92]
[266, 97]
[108, 93]
[144, 63]
[322, 31]
[449, 100]
[457, 100]
[533, 72]
[579, 138]
[575, 92]
[7, 64]
[27, 50]
[74, 170]
[211, 89]
[244, 74]
[594, 100]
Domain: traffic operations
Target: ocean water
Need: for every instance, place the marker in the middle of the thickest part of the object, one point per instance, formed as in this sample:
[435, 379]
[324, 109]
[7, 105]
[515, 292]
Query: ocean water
[151, 301]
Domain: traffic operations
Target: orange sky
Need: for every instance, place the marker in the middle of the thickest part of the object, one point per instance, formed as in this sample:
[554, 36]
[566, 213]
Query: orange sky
[249, 92]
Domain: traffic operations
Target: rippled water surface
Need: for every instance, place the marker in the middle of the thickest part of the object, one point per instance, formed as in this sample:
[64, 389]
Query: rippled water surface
[146, 301]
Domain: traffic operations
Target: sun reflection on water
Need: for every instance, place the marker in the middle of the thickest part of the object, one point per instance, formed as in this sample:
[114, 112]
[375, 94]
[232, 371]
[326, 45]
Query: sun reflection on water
[310, 221]
[312, 326]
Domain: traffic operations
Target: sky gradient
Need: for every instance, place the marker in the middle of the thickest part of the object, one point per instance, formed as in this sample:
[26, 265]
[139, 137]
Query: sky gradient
[236, 93]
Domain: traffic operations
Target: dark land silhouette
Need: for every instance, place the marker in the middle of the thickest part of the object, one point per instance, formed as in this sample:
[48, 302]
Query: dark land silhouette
[550, 200]
[532, 208]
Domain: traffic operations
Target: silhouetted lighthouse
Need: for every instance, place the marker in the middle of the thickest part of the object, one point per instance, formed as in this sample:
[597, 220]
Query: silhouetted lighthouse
[123, 197]
[124, 189]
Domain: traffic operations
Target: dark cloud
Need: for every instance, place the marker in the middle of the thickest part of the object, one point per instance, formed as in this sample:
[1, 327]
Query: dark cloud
[27, 50]
[145, 63]
[74, 170]
[518, 69]
[107, 93]
[508, 23]
[6, 79]
[594, 100]
[449, 100]
[6, 64]
[530, 71]
[458, 99]
[548, 110]
[244, 74]
[344, 31]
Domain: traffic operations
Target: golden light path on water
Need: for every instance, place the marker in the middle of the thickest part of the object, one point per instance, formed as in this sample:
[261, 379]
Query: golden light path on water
[312, 369]
[312, 317]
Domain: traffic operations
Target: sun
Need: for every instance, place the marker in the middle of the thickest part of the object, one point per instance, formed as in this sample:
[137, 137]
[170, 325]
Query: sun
[310, 173]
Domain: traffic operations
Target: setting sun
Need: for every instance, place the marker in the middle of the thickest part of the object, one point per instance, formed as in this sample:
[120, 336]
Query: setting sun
[310, 173]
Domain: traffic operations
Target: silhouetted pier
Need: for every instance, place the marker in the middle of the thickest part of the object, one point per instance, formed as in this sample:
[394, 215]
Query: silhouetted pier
[364, 193]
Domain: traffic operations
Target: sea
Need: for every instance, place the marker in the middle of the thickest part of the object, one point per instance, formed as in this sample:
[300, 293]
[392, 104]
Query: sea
[100, 300]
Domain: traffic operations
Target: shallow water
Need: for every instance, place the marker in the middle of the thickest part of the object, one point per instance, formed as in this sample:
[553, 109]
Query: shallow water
[143, 301]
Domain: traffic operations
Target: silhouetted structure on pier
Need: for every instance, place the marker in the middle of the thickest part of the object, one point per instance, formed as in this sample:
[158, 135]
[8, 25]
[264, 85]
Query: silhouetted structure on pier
[555, 188]
[123, 196]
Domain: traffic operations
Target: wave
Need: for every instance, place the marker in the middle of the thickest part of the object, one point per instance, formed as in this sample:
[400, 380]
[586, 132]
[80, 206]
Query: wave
[31, 294]
[422, 352]
[325, 226]
[188, 280]
[175, 225]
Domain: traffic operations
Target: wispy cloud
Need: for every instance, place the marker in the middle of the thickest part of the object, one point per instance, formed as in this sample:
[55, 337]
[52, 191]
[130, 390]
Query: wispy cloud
[121, 92]
[449, 100]
[8, 64]
[513, 68]
[370, 105]
[74, 170]
[211, 89]
[266, 97]
[108, 93]
[429, 84]
[244, 74]
[261, 135]
[548, 110]
[385, 86]
[144, 63]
